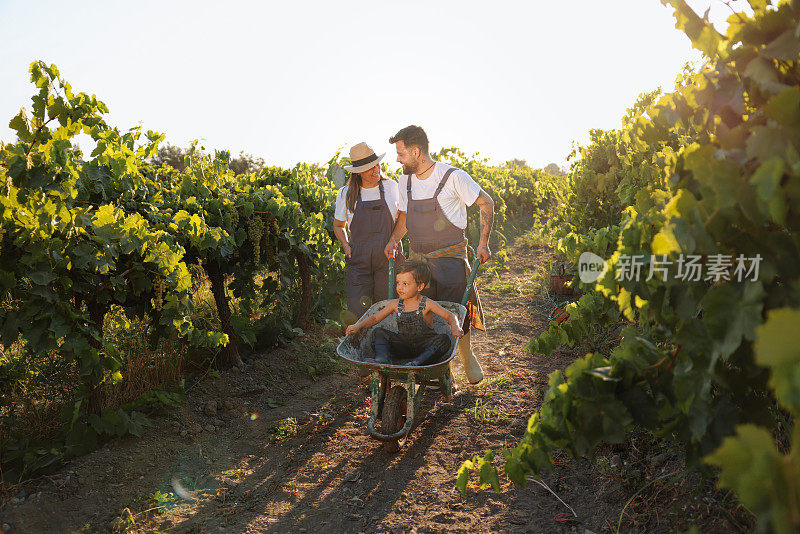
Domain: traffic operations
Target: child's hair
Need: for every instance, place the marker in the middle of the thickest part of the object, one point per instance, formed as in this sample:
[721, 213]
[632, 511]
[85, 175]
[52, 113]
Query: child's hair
[419, 269]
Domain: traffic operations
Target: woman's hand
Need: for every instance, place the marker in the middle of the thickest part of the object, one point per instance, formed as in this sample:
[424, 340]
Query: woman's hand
[347, 250]
[352, 329]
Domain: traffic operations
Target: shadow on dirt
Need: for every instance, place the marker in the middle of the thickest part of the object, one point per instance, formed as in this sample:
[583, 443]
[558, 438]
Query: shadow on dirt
[293, 488]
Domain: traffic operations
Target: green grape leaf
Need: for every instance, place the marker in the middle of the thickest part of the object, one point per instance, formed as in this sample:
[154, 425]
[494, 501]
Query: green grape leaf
[731, 314]
[81, 439]
[768, 176]
[762, 71]
[487, 472]
[702, 34]
[786, 47]
[718, 177]
[516, 470]
[20, 124]
[752, 449]
[784, 108]
[764, 480]
[674, 237]
[766, 142]
[463, 475]
[777, 346]
[42, 278]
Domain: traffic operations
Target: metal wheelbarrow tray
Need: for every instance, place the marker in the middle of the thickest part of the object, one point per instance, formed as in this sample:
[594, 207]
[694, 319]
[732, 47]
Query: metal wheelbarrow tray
[396, 406]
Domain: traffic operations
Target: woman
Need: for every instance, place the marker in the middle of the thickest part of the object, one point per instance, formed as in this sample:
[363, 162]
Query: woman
[367, 207]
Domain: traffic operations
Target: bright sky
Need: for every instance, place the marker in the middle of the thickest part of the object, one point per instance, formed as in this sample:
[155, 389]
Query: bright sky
[295, 81]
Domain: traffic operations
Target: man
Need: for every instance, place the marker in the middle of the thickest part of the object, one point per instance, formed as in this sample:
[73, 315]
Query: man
[434, 198]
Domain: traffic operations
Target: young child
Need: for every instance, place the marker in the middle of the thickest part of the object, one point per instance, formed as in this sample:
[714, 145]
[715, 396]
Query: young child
[416, 337]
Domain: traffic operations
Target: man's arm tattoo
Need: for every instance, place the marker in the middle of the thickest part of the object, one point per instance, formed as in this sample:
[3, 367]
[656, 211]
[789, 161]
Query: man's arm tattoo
[487, 220]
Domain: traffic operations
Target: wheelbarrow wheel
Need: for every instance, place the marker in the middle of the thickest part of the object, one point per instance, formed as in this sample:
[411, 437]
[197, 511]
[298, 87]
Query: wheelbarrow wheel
[394, 416]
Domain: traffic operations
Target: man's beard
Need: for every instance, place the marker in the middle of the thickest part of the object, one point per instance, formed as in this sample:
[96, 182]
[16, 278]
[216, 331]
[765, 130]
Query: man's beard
[411, 168]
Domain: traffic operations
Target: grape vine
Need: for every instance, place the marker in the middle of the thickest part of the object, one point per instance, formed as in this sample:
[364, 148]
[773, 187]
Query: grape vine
[80, 234]
[712, 171]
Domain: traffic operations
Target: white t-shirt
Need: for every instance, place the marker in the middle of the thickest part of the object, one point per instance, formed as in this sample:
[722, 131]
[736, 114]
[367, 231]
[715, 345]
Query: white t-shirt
[459, 192]
[390, 193]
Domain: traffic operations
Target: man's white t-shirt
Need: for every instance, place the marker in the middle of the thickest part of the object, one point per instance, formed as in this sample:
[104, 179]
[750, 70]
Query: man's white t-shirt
[390, 193]
[459, 192]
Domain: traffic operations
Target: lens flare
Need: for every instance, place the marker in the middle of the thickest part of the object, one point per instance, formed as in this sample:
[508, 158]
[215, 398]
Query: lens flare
[366, 301]
[347, 317]
[180, 491]
[253, 416]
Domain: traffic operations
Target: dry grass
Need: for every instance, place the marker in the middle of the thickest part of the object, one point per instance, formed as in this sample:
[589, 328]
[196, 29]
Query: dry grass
[38, 387]
[35, 388]
[145, 369]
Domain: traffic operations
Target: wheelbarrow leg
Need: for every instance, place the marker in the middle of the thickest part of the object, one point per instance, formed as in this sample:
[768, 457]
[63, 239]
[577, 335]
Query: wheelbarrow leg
[380, 384]
[411, 390]
[446, 385]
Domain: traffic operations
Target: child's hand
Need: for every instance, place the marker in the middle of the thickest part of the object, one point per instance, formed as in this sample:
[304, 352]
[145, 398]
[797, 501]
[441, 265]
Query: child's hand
[352, 329]
[457, 332]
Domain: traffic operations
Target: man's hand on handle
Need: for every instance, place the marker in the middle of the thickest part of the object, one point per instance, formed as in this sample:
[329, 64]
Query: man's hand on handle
[483, 253]
[390, 249]
[397, 234]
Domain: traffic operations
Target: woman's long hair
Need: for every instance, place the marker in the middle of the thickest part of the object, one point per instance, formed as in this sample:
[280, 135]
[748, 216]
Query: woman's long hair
[353, 191]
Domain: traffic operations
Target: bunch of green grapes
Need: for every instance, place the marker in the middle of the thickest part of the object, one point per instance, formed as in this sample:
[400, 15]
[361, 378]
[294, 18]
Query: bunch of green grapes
[234, 214]
[158, 289]
[270, 239]
[255, 227]
[267, 241]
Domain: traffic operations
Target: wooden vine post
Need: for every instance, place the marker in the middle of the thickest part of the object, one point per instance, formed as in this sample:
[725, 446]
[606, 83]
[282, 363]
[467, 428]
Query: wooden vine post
[217, 278]
[97, 314]
[304, 309]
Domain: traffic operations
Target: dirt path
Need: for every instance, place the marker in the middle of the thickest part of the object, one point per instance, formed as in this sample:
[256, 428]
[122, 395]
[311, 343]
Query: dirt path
[291, 455]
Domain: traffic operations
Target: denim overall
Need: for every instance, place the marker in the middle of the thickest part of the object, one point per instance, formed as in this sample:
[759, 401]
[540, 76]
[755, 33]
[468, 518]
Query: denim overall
[429, 230]
[367, 269]
[414, 338]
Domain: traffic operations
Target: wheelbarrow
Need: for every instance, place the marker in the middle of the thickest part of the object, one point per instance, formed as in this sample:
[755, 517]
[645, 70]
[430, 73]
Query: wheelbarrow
[396, 406]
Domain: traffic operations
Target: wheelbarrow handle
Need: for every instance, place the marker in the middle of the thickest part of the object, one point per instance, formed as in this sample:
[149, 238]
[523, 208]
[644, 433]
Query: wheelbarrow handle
[391, 277]
[473, 273]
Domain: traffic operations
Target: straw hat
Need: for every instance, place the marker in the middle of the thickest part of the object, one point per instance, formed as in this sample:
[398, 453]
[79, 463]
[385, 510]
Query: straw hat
[362, 158]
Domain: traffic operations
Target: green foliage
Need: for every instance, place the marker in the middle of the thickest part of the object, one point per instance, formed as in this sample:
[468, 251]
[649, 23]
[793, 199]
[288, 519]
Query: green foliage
[284, 430]
[482, 411]
[778, 347]
[711, 169]
[519, 191]
[80, 234]
[768, 482]
[616, 169]
[163, 499]
[487, 476]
